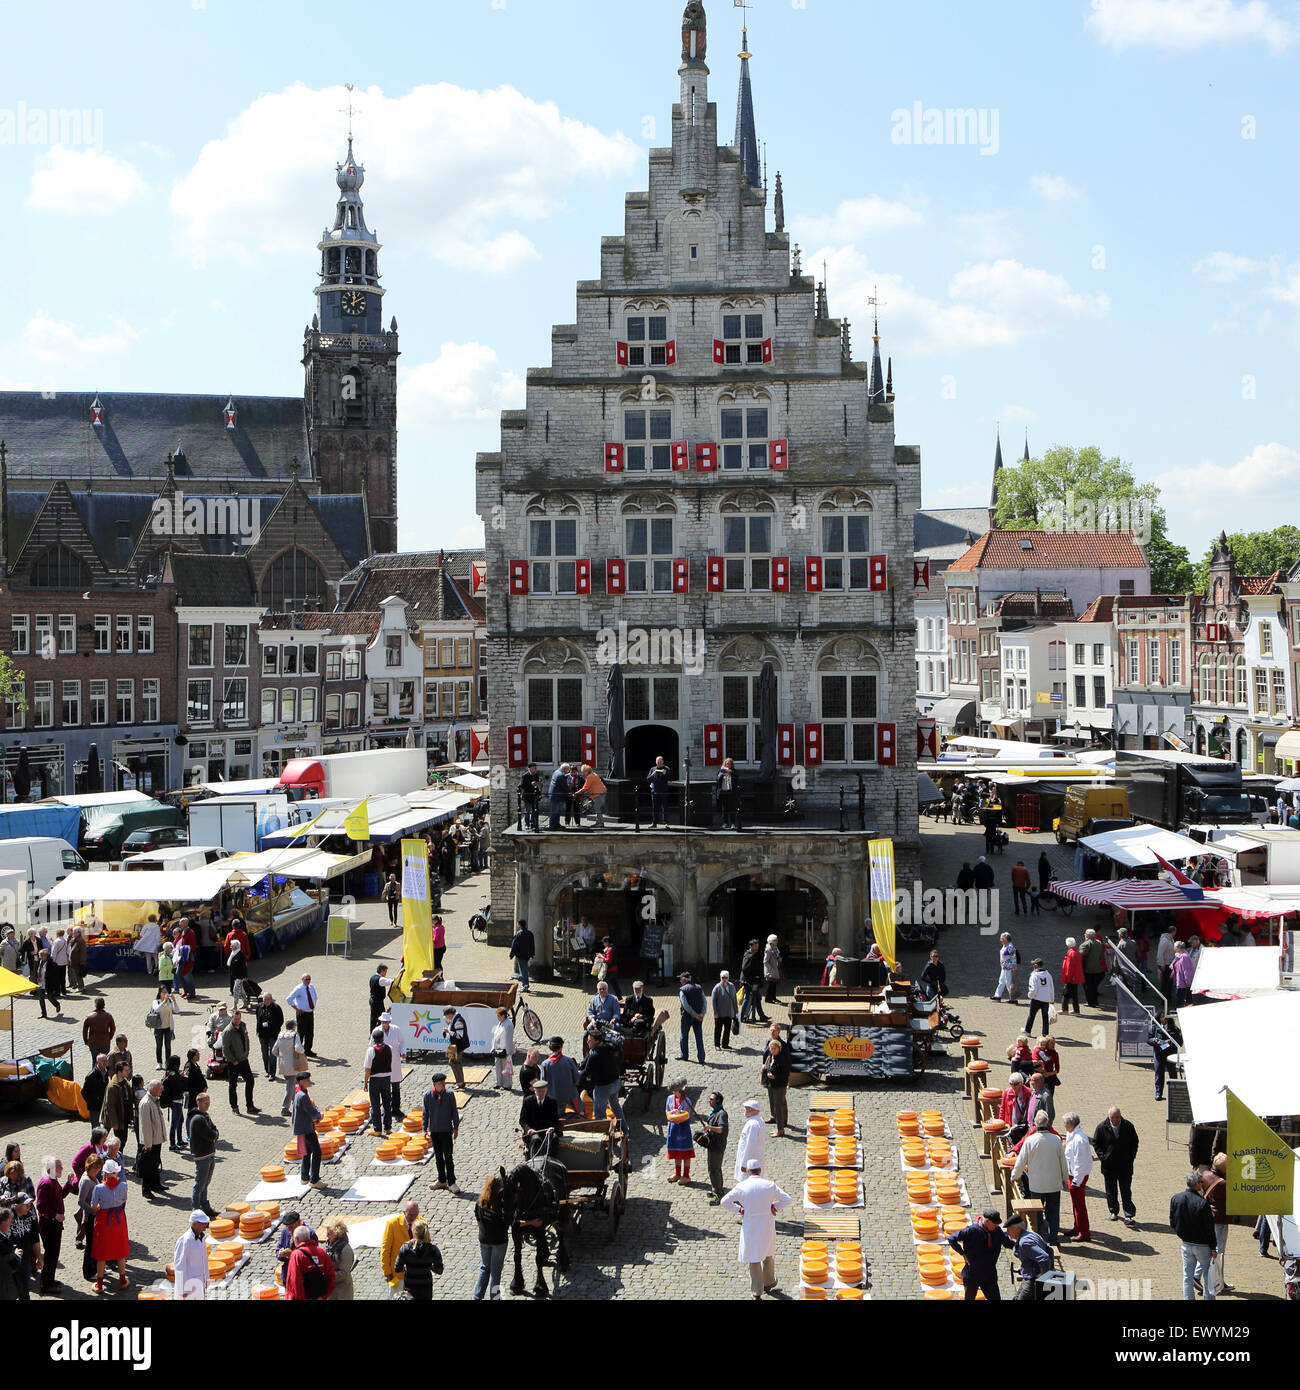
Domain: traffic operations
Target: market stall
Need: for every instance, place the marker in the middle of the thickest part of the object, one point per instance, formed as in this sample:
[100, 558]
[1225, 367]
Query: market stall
[1238, 974]
[1248, 1044]
[1141, 846]
[860, 1032]
[284, 892]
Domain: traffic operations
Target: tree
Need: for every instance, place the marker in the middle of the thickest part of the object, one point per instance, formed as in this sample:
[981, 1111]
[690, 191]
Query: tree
[12, 683]
[1255, 552]
[1079, 490]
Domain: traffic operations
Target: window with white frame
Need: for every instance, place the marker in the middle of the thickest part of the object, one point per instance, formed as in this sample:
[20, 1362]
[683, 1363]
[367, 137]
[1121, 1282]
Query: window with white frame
[309, 659]
[447, 699]
[1056, 656]
[1265, 639]
[1134, 662]
[744, 438]
[1241, 679]
[1081, 692]
[1175, 661]
[125, 634]
[849, 707]
[270, 704]
[308, 704]
[648, 546]
[289, 659]
[270, 660]
[20, 644]
[1261, 690]
[15, 706]
[1079, 649]
[379, 692]
[200, 644]
[67, 634]
[742, 337]
[234, 705]
[741, 732]
[747, 553]
[430, 699]
[236, 643]
[553, 552]
[647, 340]
[99, 702]
[647, 440]
[392, 649]
[554, 719]
[198, 701]
[1021, 658]
[150, 700]
[333, 711]
[352, 709]
[144, 634]
[846, 543]
[71, 712]
[333, 665]
[1099, 699]
[352, 664]
[1279, 690]
[125, 701]
[289, 704]
[43, 705]
[462, 697]
[45, 635]
[103, 634]
[1153, 660]
[463, 662]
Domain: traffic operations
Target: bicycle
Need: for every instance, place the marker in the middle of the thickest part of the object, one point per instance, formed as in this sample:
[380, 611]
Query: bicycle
[1052, 903]
[532, 1024]
[480, 922]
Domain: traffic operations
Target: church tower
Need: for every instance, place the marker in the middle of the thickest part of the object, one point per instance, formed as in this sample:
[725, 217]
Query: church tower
[351, 366]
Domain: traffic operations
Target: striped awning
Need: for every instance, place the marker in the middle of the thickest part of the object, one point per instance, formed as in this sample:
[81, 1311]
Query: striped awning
[1135, 894]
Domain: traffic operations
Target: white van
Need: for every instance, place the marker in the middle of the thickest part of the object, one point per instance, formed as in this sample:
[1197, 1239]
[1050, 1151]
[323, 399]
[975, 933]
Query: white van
[176, 857]
[44, 859]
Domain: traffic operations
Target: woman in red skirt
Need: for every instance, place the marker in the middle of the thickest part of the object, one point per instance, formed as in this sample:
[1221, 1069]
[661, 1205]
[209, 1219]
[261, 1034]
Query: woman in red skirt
[681, 1147]
[110, 1242]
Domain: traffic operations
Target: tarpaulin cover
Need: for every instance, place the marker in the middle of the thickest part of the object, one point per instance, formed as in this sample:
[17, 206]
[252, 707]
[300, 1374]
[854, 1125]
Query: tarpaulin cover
[62, 822]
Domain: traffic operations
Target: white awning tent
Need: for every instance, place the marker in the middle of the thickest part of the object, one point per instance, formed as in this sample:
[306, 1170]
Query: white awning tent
[1266, 899]
[291, 863]
[1237, 973]
[471, 781]
[1138, 845]
[163, 885]
[1288, 746]
[89, 800]
[251, 786]
[1248, 1044]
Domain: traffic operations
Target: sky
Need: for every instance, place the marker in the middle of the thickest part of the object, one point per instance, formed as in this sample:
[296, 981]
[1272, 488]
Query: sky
[1109, 260]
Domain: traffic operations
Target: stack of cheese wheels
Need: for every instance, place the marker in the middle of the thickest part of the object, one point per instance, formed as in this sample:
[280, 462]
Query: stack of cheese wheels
[360, 1107]
[842, 1122]
[932, 1122]
[848, 1262]
[925, 1223]
[416, 1147]
[819, 1122]
[845, 1295]
[819, 1151]
[271, 1210]
[387, 1151]
[908, 1123]
[814, 1267]
[351, 1122]
[219, 1265]
[323, 1126]
[334, 1113]
[846, 1151]
[914, 1153]
[819, 1186]
[918, 1188]
[291, 1151]
[253, 1224]
[267, 1293]
[235, 1210]
[947, 1189]
[413, 1122]
[273, 1172]
[958, 1263]
[932, 1268]
[846, 1186]
[954, 1220]
[232, 1248]
[330, 1144]
[940, 1153]
[221, 1228]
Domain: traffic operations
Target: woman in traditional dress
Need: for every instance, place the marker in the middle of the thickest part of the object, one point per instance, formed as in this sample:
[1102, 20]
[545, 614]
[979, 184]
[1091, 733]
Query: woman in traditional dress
[681, 1148]
[110, 1241]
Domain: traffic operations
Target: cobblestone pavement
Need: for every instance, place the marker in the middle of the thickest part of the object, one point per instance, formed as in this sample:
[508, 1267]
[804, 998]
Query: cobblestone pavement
[669, 1236]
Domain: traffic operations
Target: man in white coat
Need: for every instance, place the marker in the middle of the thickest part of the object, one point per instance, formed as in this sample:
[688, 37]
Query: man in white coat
[190, 1261]
[758, 1200]
[753, 1140]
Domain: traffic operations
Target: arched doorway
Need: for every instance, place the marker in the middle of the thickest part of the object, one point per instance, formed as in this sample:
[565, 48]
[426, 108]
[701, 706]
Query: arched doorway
[645, 743]
[758, 905]
[634, 909]
[1242, 751]
[1200, 740]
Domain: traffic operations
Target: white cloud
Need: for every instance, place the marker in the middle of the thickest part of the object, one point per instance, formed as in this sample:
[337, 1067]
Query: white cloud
[1055, 188]
[1226, 267]
[1028, 299]
[448, 170]
[985, 234]
[857, 218]
[82, 181]
[465, 382]
[1185, 25]
[48, 341]
[1230, 495]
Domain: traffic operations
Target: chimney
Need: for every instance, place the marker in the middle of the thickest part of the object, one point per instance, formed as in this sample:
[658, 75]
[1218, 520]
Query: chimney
[1038, 603]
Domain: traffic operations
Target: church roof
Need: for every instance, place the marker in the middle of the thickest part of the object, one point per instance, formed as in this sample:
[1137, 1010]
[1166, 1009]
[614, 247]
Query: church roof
[54, 438]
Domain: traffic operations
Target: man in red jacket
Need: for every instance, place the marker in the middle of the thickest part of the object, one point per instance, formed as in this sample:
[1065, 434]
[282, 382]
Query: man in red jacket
[310, 1275]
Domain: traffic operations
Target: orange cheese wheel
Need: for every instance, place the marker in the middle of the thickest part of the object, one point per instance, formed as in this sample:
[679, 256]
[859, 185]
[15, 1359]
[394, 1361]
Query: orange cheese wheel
[939, 1295]
[846, 1295]
[819, 1123]
[171, 1274]
[971, 1040]
[290, 1152]
[270, 1209]
[267, 1293]
[233, 1249]
[934, 1276]
[222, 1228]
[273, 1172]
[411, 1125]
[350, 1124]
[239, 1208]
[814, 1295]
[150, 1296]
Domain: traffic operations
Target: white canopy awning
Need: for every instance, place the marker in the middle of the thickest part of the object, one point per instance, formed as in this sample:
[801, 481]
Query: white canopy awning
[251, 786]
[169, 885]
[293, 863]
[953, 710]
[441, 800]
[1288, 746]
[1237, 973]
[1248, 1044]
[1135, 845]
[88, 799]
[471, 781]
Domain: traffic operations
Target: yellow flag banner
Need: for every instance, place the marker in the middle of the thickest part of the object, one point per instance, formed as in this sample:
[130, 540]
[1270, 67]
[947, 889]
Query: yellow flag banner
[356, 823]
[1261, 1167]
[881, 854]
[417, 912]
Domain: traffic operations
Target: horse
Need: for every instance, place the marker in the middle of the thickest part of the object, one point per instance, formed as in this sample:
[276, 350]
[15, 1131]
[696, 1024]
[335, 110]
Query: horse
[533, 1191]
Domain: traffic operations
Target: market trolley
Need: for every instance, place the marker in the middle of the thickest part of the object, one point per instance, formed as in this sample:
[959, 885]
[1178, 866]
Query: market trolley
[594, 1155]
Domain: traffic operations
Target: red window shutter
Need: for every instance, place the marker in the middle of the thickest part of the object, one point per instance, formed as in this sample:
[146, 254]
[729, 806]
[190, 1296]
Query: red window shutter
[622, 354]
[670, 352]
[778, 452]
[785, 745]
[706, 458]
[812, 574]
[812, 744]
[517, 745]
[780, 574]
[587, 743]
[613, 458]
[885, 754]
[717, 574]
[1211, 632]
[767, 349]
[615, 576]
[719, 352]
[519, 576]
[878, 570]
[681, 455]
[681, 576]
[584, 576]
[712, 745]
[920, 574]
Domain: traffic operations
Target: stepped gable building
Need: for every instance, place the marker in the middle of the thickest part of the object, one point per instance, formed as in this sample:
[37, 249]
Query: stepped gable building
[699, 539]
[98, 486]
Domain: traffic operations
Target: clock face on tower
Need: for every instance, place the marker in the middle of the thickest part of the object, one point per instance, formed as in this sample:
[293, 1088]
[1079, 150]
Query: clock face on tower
[354, 303]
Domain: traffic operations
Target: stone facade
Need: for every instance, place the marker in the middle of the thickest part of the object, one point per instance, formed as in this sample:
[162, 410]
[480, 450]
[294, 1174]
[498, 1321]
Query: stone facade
[703, 387]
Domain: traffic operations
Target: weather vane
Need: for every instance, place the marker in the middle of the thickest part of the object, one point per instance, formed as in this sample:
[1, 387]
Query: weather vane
[349, 110]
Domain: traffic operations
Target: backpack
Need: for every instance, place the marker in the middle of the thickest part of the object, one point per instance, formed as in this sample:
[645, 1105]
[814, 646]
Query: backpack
[314, 1284]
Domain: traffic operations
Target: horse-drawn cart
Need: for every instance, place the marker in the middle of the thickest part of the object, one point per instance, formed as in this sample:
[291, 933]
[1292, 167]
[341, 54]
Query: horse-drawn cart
[594, 1154]
[645, 1059]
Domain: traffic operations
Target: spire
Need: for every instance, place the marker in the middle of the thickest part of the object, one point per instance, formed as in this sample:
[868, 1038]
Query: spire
[348, 295]
[997, 469]
[779, 204]
[822, 310]
[877, 381]
[1026, 458]
[746, 134]
[889, 382]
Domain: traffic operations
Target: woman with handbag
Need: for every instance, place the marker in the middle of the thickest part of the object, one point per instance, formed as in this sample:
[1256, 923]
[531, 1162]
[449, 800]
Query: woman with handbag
[775, 1076]
[503, 1050]
[161, 1018]
[608, 968]
[681, 1148]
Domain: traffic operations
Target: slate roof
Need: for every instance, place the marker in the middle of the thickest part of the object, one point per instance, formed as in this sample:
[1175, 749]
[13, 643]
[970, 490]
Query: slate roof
[1024, 605]
[340, 624]
[213, 581]
[1052, 550]
[54, 438]
[430, 592]
[942, 533]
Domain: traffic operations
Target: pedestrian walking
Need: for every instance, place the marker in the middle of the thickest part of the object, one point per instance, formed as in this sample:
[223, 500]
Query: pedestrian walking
[1214, 1188]
[522, 950]
[47, 984]
[76, 960]
[195, 1081]
[172, 1101]
[1008, 960]
[60, 949]
[441, 1122]
[751, 978]
[1193, 1223]
[727, 787]
[713, 1138]
[771, 969]
[303, 1000]
[558, 794]
[439, 942]
[979, 1245]
[201, 1134]
[503, 1051]
[377, 1079]
[148, 944]
[530, 790]
[161, 1018]
[1183, 969]
[489, 1216]
[691, 1005]
[1041, 993]
[305, 1115]
[679, 1144]
[393, 897]
[1165, 949]
[234, 1052]
[725, 1011]
[116, 1112]
[1020, 882]
[594, 789]
[1115, 1142]
[1071, 975]
[1164, 1038]
[758, 1200]
[774, 1075]
[1044, 871]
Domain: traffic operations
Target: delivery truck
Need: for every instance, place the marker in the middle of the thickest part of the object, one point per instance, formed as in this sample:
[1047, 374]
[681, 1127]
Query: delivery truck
[240, 822]
[43, 861]
[1179, 789]
[350, 775]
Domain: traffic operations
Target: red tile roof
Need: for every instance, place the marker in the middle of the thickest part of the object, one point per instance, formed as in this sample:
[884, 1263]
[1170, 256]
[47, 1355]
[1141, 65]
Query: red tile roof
[1100, 610]
[1052, 550]
[1258, 583]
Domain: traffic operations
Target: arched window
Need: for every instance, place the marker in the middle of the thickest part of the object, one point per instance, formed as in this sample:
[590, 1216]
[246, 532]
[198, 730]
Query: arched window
[850, 694]
[740, 666]
[1223, 694]
[845, 540]
[1240, 696]
[59, 568]
[293, 580]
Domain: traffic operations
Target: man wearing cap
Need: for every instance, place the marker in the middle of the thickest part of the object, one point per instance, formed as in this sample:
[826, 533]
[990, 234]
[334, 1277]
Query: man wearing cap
[441, 1121]
[305, 1115]
[284, 1244]
[538, 1116]
[690, 999]
[638, 1010]
[979, 1244]
[1035, 1256]
[395, 1039]
[758, 1200]
[378, 995]
[753, 1139]
[190, 1261]
[376, 1078]
[564, 1078]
